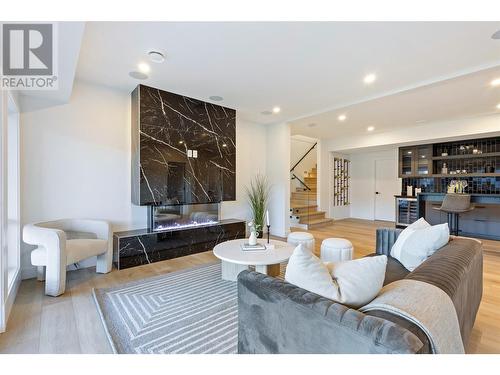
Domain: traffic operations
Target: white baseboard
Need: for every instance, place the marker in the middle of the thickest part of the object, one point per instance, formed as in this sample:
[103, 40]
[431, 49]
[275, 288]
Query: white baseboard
[11, 297]
[283, 234]
[298, 225]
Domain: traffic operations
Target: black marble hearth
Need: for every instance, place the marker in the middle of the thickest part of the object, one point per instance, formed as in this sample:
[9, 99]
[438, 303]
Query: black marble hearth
[144, 246]
[183, 149]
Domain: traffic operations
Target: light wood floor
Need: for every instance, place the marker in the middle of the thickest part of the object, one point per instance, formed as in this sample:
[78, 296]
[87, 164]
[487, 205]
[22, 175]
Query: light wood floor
[71, 324]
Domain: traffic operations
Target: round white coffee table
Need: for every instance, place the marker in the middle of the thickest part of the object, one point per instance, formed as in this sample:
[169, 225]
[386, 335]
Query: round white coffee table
[234, 259]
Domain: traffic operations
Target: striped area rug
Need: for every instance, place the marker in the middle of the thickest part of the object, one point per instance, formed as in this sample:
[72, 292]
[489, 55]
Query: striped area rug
[190, 311]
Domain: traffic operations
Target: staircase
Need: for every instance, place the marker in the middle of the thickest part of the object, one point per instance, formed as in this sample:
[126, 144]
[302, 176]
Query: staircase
[303, 207]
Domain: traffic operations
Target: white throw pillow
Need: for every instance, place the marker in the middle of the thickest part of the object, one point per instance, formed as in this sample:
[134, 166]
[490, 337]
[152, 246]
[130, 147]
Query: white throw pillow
[422, 243]
[403, 236]
[359, 280]
[353, 283]
[308, 272]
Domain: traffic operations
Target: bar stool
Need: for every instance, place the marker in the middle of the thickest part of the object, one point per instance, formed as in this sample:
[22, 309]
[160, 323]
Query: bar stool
[454, 205]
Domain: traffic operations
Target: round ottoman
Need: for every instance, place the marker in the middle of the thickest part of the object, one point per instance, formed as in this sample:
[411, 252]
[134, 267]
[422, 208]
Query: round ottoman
[336, 250]
[306, 239]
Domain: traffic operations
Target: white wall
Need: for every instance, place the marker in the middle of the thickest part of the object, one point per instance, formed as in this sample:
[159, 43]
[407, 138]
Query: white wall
[277, 169]
[323, 178]
[251, 150]
[76, 162]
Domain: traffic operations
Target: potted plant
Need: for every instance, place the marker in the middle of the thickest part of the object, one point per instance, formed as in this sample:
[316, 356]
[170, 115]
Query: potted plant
[258, 196]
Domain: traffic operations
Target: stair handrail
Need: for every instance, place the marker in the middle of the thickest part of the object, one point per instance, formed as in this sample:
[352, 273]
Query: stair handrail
[294, 177]
[302, 158]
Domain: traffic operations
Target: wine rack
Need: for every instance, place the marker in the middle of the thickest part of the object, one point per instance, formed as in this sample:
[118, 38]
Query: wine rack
[406, 211]
[473, 147]
[476, 161]
[475, 185]
[340, 181]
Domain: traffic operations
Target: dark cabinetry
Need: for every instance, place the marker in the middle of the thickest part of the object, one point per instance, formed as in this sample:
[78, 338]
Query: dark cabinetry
[415, 161]
[423, 160]
[434, 168]
[406, 164]
[474, 158]
[482, 222]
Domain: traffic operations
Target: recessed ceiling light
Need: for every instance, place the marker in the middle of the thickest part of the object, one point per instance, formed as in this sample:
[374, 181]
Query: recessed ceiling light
[498, 106]
[266, 113]
[143, 67]
[496, 35]
[216, 98]
[156, 56]
[181, 142]
[370, 78]
[495, 82]
[312, 125]
[276, 109]
[138, 75]
[342, 117]
[370, 128]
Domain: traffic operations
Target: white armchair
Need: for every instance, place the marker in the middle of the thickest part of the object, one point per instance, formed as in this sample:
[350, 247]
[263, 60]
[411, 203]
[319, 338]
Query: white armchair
[64, 242]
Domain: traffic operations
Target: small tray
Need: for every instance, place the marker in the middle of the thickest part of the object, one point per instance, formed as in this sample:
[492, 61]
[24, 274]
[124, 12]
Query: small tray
[248, 247]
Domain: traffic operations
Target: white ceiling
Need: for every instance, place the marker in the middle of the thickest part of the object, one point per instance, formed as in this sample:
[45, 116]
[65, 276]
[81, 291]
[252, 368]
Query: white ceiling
[308, 68]
[470, 95]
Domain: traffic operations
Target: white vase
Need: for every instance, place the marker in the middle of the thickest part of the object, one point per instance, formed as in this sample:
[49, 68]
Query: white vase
[252, 240]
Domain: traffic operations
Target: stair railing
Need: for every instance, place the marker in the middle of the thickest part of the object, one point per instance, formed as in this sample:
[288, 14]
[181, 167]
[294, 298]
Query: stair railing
[294, 176]
[305, 216]
[302, 158]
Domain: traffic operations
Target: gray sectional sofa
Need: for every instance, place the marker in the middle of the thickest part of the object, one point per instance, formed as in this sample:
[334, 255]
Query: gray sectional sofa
[278, 317]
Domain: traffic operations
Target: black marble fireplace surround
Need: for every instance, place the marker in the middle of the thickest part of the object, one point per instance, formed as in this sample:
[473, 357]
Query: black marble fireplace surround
[143, 246]
[183, 155]
[183, 149]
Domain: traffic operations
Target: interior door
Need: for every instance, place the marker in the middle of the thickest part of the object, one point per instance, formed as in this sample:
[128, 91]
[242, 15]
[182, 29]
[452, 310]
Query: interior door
[386, 186]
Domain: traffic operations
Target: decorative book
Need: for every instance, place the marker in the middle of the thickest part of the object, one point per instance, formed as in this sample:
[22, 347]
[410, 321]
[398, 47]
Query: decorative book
[248, 247]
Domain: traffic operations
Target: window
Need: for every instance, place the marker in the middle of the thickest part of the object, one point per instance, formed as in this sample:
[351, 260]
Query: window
[10, 233]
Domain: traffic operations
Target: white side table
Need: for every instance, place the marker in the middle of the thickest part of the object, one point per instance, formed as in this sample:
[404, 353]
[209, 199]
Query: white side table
[234, 259]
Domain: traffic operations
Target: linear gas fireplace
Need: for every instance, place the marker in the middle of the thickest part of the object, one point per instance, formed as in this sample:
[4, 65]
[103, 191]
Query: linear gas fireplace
[163, 218]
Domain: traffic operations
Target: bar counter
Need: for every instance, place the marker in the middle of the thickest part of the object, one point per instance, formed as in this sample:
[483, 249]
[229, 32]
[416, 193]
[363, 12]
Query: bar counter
[482, 222]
